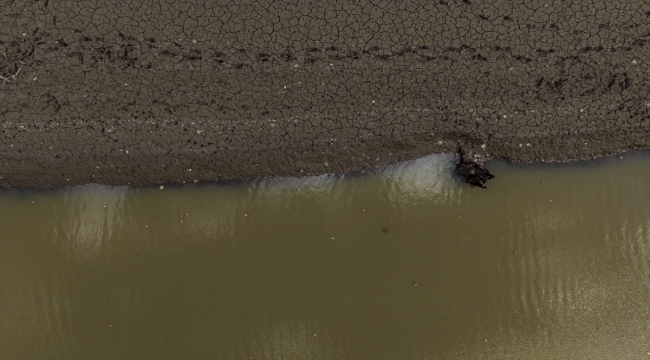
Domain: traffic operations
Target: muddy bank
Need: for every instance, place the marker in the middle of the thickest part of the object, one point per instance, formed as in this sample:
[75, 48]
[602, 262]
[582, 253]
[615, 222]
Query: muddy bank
[170, 91]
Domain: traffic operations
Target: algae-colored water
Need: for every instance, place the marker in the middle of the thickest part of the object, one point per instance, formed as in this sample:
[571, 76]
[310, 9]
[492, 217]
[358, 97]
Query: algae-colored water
[550, 262]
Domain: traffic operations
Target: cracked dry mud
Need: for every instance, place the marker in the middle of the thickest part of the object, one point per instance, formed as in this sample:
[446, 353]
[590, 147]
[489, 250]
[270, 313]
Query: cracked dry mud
[147, 92]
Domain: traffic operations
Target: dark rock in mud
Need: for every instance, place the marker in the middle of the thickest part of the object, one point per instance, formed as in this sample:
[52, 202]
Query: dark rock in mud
[476, 174]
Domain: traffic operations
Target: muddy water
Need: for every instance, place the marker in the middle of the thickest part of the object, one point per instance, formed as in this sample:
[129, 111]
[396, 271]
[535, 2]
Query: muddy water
[409, 263]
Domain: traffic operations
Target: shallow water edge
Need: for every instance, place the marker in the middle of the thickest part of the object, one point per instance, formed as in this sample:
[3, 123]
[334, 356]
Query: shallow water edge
[592, 160]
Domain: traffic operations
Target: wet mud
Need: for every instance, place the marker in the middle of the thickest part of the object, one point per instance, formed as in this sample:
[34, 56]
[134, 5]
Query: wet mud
[171, 91]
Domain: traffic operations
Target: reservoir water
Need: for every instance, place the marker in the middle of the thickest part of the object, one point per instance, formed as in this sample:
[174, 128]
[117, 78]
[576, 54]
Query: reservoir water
[409, 262]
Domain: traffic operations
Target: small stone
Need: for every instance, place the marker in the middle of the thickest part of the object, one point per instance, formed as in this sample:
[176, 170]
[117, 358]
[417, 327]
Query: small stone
[245, 215]
[110, 325]
[161, 187]
[146, 226]
[385, 231]
[415, 284]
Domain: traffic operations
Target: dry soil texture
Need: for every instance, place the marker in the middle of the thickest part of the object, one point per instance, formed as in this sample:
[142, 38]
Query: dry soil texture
[145, 92]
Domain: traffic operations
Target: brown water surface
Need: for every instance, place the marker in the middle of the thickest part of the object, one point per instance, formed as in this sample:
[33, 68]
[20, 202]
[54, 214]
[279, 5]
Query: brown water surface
[550, 262]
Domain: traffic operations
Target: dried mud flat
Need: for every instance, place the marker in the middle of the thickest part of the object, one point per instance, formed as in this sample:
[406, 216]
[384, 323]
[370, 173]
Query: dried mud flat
[152, 92]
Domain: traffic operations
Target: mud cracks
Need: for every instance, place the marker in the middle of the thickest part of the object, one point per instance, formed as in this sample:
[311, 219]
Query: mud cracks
[172, 92]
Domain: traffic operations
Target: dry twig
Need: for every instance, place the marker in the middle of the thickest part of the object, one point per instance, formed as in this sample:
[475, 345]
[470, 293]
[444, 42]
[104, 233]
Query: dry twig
[12, 77]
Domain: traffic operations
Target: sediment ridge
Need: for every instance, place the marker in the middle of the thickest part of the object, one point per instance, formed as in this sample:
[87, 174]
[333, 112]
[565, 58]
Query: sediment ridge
[126, 93]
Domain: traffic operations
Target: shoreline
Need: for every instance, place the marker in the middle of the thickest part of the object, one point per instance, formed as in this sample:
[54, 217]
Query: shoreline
[239, 91]
[353, 173]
